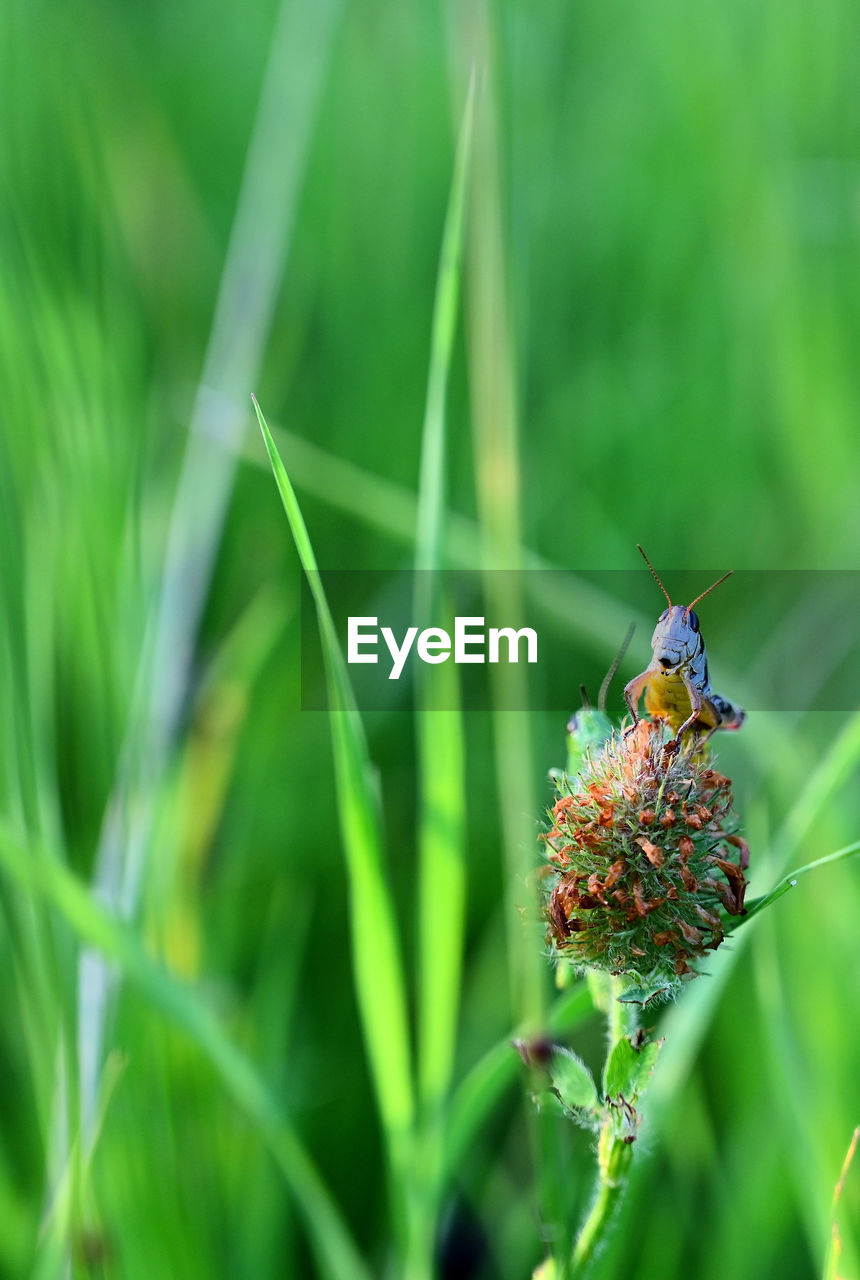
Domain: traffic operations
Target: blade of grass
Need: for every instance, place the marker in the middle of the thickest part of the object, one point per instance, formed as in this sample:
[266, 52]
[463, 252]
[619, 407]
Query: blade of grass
[834, 1247]
[789, 881]
[377, 964]
[440, 744]
[39, 874]
[790, 1087]
[495, 451]
[789, 1090]
[431, 490]
[440, 730]
[57, 1223]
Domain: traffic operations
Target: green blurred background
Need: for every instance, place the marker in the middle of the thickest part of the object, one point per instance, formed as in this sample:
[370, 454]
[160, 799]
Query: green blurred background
[661, 293]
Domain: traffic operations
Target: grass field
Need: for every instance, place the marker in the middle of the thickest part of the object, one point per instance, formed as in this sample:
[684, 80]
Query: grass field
[263, 965]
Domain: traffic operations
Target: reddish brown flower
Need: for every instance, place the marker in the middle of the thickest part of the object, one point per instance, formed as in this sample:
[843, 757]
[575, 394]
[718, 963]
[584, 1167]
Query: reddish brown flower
[644, 858]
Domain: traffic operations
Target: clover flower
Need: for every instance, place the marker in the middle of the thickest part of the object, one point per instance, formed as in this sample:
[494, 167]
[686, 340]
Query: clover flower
[643, 859]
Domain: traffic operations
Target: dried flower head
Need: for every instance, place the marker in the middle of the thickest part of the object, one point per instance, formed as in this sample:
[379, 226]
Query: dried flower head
[642, 858]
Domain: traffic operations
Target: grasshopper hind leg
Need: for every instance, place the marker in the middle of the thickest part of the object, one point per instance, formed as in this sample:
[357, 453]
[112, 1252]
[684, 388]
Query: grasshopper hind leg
[728, 716]
[731, 717]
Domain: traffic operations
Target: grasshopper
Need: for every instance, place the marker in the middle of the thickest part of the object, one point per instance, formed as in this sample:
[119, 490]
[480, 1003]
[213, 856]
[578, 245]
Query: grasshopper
[676, 683]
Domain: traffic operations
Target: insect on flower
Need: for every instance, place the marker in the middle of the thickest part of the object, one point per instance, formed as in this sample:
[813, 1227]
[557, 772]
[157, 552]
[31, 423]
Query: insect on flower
[676, 684]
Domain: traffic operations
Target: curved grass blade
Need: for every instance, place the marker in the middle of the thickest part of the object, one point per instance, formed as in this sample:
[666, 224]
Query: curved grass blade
[376, 956]
[38, 873]
[789, 881]
[834, 1249]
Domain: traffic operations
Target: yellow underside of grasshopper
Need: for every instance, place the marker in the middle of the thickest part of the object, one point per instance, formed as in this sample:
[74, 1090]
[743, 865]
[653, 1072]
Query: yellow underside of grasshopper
[667, 698]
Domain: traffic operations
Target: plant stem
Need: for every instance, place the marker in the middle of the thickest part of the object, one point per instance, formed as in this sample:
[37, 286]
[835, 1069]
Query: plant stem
[622, 1015]
[594, 1227]
[613, 1153]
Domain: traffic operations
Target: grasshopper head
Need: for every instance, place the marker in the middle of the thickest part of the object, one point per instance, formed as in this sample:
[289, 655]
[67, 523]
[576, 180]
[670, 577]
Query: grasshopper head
[675, 637]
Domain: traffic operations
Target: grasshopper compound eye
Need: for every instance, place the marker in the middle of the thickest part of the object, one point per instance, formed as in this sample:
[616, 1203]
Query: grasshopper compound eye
[693, 620]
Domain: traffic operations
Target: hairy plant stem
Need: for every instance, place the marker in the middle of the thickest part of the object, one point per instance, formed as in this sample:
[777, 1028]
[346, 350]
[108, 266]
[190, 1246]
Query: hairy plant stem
[622, 1016]
[613, 1153]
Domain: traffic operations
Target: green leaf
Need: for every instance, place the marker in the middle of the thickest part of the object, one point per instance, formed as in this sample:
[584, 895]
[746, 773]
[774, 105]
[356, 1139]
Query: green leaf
[548, 1101]
[650, 993]
[484, 1086]
[627, 1069]
[572, 1080]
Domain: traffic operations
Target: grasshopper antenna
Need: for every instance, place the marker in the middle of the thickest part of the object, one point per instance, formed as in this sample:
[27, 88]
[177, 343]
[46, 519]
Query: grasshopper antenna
[704, 593]
[583, 693]
[657, 578]
[616, 663]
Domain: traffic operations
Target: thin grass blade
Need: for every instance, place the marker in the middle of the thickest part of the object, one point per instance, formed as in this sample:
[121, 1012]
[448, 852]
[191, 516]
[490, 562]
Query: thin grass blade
[789, 881]
[834, 1249]
[441, 750]
[376, 952]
